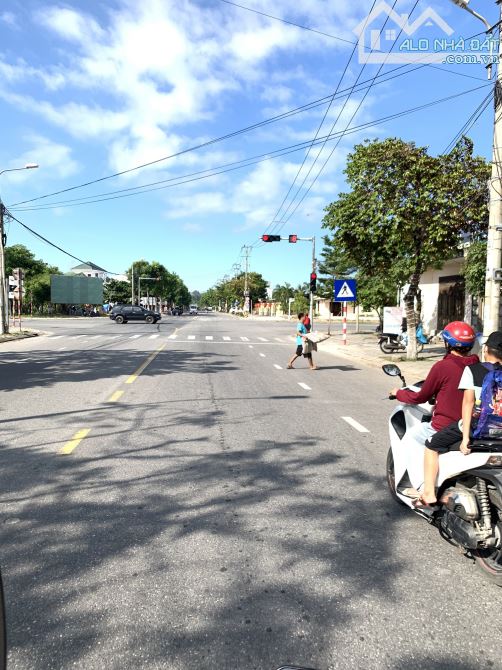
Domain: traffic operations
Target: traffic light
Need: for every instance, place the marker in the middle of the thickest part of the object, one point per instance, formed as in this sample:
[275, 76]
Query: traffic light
[271, 238]
[293, 239]
[313, 282]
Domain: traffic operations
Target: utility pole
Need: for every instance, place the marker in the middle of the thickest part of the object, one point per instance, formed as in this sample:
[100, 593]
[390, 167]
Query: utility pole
[132, 284]
[491, 311]
[4, 296]
[314, 270]
[247, 252]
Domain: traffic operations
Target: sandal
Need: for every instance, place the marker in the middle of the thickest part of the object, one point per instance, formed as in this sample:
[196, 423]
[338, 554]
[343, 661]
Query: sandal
[290, 367]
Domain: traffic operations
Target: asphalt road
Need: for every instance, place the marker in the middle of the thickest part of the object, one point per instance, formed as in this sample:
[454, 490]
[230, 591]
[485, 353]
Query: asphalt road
[215, 510]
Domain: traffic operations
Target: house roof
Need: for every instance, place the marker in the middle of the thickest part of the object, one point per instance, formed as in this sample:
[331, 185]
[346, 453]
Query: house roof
[88, 266]
[402, 20]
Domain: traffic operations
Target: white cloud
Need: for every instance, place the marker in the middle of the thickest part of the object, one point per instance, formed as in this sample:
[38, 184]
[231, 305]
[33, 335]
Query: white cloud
[8, 18]
[54, 160]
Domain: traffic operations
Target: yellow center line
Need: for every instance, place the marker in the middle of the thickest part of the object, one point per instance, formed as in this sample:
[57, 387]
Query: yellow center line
[144, 365]
[75, 441]
[115, 396]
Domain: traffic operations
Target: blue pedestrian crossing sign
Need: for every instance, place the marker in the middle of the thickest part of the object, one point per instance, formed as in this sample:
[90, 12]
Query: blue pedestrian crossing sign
[345, 290]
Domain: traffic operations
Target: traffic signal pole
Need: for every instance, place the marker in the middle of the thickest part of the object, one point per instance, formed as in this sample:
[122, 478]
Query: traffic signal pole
[314, 271]
[4, 301]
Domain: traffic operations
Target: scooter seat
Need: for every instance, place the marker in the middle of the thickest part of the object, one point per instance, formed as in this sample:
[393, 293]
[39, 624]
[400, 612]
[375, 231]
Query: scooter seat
[490, 445]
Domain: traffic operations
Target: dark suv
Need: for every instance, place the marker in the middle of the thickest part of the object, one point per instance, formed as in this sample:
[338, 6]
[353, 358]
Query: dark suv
[125, 313]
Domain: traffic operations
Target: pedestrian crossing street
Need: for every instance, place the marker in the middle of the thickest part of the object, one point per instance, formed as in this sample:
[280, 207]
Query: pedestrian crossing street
[180, 337]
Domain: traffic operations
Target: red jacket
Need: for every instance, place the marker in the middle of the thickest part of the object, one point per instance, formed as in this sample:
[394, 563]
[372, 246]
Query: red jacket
[442, 382]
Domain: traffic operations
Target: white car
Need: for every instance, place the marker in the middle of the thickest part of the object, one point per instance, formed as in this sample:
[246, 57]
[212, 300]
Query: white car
[192, 310]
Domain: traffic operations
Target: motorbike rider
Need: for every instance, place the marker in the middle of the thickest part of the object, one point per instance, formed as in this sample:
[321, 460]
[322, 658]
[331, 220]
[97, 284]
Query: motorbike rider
[442, 384]
[457, 435]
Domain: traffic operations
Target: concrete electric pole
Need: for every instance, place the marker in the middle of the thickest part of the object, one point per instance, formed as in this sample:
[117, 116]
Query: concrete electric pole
[491, 311]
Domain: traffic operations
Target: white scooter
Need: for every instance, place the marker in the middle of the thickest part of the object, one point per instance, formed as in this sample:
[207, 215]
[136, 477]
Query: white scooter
[469, 509]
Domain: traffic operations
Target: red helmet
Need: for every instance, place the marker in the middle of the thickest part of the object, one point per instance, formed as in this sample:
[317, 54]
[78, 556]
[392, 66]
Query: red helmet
[459, 335]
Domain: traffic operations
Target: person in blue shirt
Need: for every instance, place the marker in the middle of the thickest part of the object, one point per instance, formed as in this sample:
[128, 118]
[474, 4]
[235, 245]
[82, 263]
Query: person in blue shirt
[301, 334]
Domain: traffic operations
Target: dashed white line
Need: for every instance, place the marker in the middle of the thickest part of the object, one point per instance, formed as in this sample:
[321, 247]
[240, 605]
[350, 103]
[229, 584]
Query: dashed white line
[134, 337]
[245, 339]
[94, 337]
[352, 422]
[277, 367]
[113, 337]
[278, 339]
[172, 337]
[209, 337]
[226, 338]
[304, 386]
[62, 349]
[263, 339]
[58, 337]
[154, 337]
[251, 346]
[263, 355]
[191, 337]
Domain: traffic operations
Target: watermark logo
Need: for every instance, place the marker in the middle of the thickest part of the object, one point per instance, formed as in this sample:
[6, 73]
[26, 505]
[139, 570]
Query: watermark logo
[385, 36]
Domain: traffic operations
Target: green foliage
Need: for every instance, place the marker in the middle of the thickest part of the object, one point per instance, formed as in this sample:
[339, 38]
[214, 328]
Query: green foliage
[165, 285]
[406, 211]
[195, 297]
[18, 256]
[475, 268]
[117, 291]
[282, 295]
[228, 291]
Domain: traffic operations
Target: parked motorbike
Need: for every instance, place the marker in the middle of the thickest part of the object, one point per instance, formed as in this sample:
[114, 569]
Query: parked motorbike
[390, 343]
[469, 509]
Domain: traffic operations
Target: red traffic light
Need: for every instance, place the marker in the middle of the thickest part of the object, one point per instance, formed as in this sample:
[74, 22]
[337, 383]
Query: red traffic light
[271, 238]
[293, 239]
[313, 276]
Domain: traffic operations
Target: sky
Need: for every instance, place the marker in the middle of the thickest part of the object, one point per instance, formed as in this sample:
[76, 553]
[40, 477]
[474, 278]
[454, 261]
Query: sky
[91, 89]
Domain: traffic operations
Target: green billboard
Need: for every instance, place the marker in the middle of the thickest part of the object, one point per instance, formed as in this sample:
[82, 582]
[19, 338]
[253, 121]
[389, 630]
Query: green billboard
[76, 290]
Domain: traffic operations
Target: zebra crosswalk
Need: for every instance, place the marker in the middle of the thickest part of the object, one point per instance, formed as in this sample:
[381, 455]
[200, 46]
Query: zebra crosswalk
[176, 336]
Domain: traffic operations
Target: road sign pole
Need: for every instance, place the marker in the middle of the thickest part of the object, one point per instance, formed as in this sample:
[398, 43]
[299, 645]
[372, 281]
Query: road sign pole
[314, 270]
[344, 323]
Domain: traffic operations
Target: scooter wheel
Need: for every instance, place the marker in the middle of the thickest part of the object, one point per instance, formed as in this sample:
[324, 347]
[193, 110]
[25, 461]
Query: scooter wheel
[391, 478]
[386, 347]
[489, 561]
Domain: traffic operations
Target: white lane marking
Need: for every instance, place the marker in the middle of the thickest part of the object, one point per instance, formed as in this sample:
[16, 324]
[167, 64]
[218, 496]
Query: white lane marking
[58, 337]
[62, 349]
[277, 367]
[172, 337]
[153, 337]
[113, 337]
[209, 337]
[191, 337]
[352, 422]
[245, 339]
[251, 346]
[263, 339]
[226, 338]
[77, 337]
[304, 386]
[94, 337]
[263, 355]
[278, 339]
[134, 337]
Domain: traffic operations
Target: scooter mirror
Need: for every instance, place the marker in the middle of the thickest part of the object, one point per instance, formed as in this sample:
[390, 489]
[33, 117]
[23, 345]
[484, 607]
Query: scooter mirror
[391, 370]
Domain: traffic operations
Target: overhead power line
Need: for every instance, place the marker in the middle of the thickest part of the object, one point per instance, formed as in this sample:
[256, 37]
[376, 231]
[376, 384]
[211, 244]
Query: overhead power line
[246, 162]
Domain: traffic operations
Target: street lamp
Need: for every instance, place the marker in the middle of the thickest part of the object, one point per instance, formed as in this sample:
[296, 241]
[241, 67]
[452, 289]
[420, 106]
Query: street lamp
[4, 296]
[491, 310]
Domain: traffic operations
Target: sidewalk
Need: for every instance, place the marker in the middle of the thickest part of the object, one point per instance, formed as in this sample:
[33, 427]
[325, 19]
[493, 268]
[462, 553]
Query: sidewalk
[364, 348]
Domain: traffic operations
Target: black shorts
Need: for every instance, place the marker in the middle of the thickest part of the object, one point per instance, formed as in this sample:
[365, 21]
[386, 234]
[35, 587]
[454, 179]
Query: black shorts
[447, 439]
[299, 351]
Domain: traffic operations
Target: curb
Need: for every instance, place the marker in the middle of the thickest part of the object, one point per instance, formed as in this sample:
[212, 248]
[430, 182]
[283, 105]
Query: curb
[12, 338]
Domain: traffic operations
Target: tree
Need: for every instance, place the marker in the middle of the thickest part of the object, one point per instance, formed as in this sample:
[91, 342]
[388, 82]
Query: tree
[282, 294]
[19, 256]
[229, 291]
[169, 286]
[407, 210]
[196, 297]
[117, 291]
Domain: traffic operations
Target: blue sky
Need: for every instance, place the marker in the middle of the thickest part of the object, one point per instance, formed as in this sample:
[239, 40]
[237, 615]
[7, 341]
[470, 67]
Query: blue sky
[89, 89]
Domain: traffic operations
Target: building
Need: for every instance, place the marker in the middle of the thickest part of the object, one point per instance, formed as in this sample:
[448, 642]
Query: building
[89, 270]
